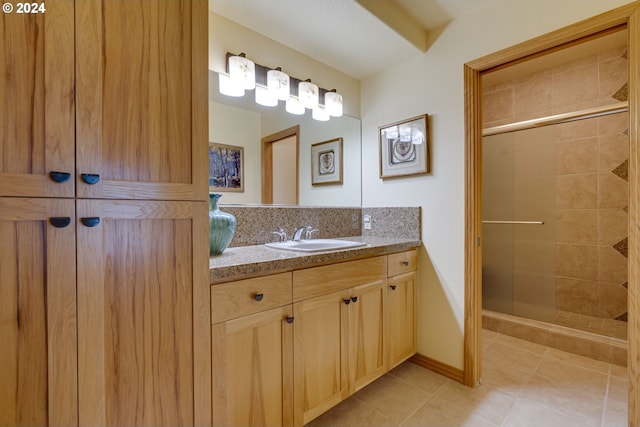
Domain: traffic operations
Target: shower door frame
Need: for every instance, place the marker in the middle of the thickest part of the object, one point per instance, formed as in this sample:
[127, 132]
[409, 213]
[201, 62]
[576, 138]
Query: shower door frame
[627, 16]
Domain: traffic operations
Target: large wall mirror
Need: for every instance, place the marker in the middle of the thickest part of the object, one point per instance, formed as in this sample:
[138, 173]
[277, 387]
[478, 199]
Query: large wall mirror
[241, 122]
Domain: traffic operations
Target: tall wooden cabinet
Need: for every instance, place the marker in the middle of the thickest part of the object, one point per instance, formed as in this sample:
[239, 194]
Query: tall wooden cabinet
[104, 295]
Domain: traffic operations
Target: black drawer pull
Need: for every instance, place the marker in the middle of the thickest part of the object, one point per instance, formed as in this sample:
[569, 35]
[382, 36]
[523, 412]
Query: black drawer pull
[393, 287]
[405, 263]
[91, 221]
[347, 301]
[258, 297]
[289, 319]
[354, 299]
[60, 221]
[59, 176]
[90, 178]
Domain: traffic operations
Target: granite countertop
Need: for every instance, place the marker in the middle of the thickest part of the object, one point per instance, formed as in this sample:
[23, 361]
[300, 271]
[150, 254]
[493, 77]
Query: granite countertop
[251, 261]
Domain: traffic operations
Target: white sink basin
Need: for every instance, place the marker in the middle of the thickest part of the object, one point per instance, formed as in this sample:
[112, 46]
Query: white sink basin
[315, 245]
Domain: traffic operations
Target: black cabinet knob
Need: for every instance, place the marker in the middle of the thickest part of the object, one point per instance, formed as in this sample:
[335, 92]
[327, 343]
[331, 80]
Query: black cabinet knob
[91, 221]
[258, 297]
[60, 221]
[347, 301]
[90, 178]
[393, 287]
[289, 319]
[405, 263]
[59, 177]
[354, 299]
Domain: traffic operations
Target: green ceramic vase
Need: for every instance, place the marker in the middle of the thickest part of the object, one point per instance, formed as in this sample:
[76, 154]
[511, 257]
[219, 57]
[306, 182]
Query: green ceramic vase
[222, 225]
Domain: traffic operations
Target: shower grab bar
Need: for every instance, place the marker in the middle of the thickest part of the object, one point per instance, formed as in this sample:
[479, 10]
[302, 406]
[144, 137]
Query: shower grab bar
[514, 222]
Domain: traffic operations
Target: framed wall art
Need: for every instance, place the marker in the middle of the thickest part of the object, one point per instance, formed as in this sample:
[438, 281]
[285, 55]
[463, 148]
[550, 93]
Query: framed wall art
[226, 167]
[326, 162]
[404, 148]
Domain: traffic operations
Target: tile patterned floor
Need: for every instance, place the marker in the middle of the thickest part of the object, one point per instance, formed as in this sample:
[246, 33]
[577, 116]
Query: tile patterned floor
[524, 384]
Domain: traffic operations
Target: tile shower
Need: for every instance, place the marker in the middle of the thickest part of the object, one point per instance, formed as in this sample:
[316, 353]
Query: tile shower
[567, 263]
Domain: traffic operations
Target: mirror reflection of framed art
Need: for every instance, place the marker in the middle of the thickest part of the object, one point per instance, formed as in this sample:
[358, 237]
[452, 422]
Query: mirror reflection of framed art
[226, 167]
[326, 162]
[404, 148]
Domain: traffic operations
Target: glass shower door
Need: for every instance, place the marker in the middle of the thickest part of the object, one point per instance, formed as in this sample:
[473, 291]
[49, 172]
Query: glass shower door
[519, 216]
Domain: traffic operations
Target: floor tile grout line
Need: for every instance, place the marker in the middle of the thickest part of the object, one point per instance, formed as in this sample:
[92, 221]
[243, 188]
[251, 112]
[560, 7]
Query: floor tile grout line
[374, 409]
[606, 399]
[425, 402]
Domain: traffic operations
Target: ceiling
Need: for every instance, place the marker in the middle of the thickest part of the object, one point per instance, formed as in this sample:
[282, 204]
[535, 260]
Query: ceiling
[356, 37]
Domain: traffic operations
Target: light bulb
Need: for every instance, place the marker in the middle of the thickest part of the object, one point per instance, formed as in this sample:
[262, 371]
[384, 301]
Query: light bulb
[308, 94]
[333, 103]
[320, 113]
[229, 87]
[264, 97]
[294, 106]
[278, 84]
[243, 70]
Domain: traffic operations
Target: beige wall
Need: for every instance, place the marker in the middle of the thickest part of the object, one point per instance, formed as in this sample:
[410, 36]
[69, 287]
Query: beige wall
[432, 83]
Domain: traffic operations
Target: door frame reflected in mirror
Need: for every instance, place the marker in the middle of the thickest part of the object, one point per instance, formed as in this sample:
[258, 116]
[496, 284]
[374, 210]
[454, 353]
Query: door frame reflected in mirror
[268, 159]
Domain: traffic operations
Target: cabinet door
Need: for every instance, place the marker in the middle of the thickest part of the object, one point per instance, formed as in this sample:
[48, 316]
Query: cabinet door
[142, 85]
[143, 313]
[37, 313]
[401, 309]
[253, 370]
[367, 334]
[37, 101]
[320, 355]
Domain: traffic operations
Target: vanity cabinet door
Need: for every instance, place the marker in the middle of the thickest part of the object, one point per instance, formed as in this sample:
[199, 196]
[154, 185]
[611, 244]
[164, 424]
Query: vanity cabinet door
[321, 356]
[401, 315]
[367, 334]
[253, 370]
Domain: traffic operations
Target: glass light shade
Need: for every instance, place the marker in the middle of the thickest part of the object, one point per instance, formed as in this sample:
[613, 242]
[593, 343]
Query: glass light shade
[294, 106]
[264, 97]
[417, 137]
[278, 84]
[320, 113]
[229, 87]
[308, 94]
[243, 70]
[333, 103]
[405, 133]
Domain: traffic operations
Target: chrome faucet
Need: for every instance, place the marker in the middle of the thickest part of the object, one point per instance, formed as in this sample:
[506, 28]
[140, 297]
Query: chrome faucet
[282, 235]
[303, 233]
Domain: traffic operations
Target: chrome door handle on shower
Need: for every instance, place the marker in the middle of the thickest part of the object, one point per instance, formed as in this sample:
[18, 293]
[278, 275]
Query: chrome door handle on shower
[514, 222]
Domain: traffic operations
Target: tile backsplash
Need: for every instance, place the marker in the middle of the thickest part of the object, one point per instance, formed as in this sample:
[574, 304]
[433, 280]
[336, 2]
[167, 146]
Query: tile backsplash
[256, 223]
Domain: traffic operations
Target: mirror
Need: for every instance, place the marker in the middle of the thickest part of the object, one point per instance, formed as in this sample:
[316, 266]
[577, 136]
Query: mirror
[242, 122]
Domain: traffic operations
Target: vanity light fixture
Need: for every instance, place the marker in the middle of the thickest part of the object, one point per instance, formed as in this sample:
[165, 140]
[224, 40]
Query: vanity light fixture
[273, 85]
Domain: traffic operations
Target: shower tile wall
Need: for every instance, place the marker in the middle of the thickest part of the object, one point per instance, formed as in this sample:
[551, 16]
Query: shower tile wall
[591, 179]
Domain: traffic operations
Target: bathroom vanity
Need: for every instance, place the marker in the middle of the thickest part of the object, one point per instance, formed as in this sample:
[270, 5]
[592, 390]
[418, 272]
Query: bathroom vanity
[295, 334]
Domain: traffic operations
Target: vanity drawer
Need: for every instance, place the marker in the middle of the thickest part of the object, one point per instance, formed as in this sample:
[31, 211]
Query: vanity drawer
[237, 299]
[322, 280]
[402, 262]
